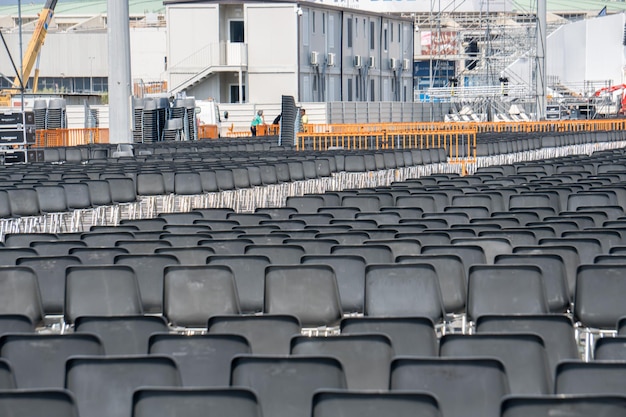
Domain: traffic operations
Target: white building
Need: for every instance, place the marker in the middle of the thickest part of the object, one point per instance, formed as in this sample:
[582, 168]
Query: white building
[257, 51]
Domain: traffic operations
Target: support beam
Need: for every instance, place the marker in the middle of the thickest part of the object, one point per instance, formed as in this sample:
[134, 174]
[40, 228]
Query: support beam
[540, 64]
[120, 88]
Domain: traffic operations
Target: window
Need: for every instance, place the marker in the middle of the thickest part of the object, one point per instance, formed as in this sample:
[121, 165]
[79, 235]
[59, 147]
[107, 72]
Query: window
[372, 91]
[236, 31]
[349, 32]
[391, 32]
[349, 89]
[356, 87]
[313, 20]
[324, 23]
[372, 36]
[385, 43]
[331, 31]
[356, 27]
[399, 33]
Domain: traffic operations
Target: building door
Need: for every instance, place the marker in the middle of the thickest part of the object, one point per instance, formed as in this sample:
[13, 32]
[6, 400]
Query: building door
[236, 31]
[234, 93]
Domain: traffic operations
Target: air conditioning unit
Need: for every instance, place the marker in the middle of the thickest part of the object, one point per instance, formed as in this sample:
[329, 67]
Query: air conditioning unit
[357, 61]
[330, 60]
[371, 62]
[393, 63]
[406, 64]
[314, 58]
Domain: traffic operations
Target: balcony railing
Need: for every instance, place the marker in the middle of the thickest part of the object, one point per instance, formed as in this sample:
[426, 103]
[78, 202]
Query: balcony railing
[222, 54]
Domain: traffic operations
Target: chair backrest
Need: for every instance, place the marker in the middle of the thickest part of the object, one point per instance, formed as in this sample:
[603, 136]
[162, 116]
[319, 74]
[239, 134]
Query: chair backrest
[373, 254]
[187, 255]
[523, 355]
[469, 254]
[20, 294]
[38, 360]
[309, 292]
[202, 360]
[610, 348]
[50, 271]
[564, 405]
[374, 404]
[595, 377]
[365, 358]
[554, 276]
[150, 183]
[597, 302]
[10, 255]
[268, 334]
[196, 402]
[450, 274]
[410, 336]
[505, 289]
[395, 290]
[105, 238]
[279, 383]
[103, 290]
[99, 192]
[192, 294]
[249, 274]
[77, 195]
[464, 387]
[115, 378]
[51, 198]
[23, 202]
[122, 335]
[97, 256]
[569, 255]
[278, 254]
[122, 190]
[48, 402]
[557, 332]
[350, 275]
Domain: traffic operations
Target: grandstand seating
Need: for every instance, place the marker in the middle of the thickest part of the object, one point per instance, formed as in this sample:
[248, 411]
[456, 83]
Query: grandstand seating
[272, 282]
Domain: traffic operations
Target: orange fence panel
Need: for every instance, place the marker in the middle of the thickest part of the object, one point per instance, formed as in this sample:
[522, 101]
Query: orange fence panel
[70, 137]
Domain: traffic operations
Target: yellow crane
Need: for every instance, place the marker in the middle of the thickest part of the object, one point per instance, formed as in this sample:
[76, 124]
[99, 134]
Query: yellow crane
[31, 54]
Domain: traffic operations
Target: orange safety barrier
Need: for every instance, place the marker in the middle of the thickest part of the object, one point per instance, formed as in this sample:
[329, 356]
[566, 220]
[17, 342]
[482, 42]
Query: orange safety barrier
[70, 137]
[460, 144]
[480, 127]
[208, 132]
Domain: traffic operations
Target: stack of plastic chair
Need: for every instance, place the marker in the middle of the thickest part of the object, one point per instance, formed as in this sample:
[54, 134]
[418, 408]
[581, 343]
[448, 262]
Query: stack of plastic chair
[56, 115]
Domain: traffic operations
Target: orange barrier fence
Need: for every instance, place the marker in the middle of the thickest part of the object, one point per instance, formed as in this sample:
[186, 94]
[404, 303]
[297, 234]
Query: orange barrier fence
[261, 130]
[480, 127]
[460, 144]
[208, 132]
[70, 137]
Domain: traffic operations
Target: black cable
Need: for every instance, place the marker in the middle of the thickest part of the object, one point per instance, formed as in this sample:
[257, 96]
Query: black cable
[6, 47]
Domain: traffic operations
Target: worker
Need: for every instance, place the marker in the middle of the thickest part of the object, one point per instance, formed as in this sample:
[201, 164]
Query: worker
[256, 121]
[304, 119]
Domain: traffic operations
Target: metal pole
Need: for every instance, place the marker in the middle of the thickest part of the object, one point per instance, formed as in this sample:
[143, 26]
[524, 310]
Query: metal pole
[120, 89]
[540, 65]
[22, 86]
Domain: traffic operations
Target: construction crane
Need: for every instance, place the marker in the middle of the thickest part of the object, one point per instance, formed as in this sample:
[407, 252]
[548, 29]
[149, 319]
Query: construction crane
[31, 55]
[610, 94]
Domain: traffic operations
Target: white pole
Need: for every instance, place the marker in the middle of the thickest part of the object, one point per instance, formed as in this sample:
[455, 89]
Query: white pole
[120, 89]
[540, 65]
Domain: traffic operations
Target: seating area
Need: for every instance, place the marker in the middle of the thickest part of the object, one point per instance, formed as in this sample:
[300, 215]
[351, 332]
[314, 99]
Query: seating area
[405, 288]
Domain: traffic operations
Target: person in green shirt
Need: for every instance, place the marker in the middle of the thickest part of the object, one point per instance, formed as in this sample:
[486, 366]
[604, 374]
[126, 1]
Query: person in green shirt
[257, 120]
